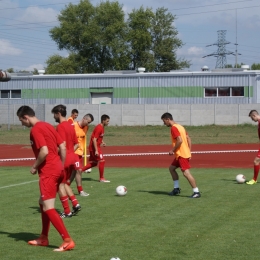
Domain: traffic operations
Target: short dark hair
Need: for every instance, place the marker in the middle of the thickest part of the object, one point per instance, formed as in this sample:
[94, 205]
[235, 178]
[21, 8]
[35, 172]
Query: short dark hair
[60, 109]
[252, 112]
[73, 111]
[104, 117]
[90, 116]
[167, 116]
[25, 110]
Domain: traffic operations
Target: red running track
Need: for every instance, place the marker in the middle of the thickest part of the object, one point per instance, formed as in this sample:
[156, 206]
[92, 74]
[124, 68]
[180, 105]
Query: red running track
[204, 160]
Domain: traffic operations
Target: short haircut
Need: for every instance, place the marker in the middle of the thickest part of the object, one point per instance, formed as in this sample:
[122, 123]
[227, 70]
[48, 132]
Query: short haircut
[74, 111]
[60, 109]
[89, 116]
[253, 112]
[104, 117]
[167, 116]
[25, 110]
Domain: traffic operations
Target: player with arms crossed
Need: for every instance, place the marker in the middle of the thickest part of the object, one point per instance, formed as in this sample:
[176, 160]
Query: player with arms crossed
[256, 118]
[45, 142]
[68, 135]
[81, 129]
[96, 141]
[181, 149]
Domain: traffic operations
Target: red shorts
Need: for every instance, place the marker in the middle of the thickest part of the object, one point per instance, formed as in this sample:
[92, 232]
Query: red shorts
[183, 163]
[67, 173]
[258, 154]
[49, 185]
[78, 162]
[93, 157]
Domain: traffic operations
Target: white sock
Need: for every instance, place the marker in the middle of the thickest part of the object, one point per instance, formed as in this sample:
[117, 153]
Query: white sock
[176, 184]
[195, 189]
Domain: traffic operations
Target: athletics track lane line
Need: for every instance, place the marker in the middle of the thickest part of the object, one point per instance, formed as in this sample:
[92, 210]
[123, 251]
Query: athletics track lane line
[142, 154]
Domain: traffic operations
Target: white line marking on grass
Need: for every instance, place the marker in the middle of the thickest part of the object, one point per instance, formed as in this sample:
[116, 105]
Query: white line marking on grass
[141, 154]
[18, 184]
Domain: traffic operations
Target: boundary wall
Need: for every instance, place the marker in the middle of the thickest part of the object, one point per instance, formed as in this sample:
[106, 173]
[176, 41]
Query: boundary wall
[130, 115]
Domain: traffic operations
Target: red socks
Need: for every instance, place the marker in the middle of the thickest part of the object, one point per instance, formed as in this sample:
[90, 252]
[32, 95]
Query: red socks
[88, 166]
[256, 171]
[74, 201]
[57, 223]
[79, 189]
[45, 222]
[65, 204]
[101, 168]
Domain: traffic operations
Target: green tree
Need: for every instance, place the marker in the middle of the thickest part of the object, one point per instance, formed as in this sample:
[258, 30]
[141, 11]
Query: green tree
[35, 72]
[57, 64]
[98, 38]
[165, 42]
[95, 34]
[140, 38]
[255, 66]
[10, 70]
[228, 66]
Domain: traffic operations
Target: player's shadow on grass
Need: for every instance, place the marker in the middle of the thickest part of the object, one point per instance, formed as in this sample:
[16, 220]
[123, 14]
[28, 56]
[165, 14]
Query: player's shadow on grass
[22, 236]
[89, 179]
[234, 181]
[157, 192]
[37, 210]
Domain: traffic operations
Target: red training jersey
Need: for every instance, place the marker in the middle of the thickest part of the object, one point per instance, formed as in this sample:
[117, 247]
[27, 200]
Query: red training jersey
[68, 135]
[44, 134]
[259, 129]
[98, 133]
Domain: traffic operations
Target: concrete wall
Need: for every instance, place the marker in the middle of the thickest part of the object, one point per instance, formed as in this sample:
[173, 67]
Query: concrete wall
[126, 114]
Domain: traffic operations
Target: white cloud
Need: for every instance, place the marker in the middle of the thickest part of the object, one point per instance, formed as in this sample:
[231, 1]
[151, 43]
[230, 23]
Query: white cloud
[37, 14]
[191, 52]
[6, 48]
[195, 51]
[35, 66]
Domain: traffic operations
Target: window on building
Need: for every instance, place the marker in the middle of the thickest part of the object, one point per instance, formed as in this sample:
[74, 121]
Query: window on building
[210, 92]
[15, 93]
[237, 91]
[224, 92]
[5, 93]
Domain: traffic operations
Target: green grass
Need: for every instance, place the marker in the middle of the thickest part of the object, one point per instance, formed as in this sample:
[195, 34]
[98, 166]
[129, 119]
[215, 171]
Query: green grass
[143, 225]
[152, 135]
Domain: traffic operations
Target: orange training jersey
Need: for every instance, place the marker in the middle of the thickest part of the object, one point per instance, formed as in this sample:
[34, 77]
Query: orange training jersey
[184, 150]
[81, 134]
[70, 120]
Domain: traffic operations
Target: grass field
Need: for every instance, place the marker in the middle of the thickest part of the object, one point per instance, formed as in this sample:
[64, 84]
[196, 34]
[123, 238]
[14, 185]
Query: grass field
[143, 225]
[152, 135]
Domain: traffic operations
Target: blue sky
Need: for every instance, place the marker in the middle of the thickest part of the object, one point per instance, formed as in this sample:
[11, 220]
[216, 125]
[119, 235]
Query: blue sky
[25, 42]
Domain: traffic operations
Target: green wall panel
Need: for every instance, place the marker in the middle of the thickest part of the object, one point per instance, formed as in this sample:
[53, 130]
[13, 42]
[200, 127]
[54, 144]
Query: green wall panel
[145, 92]
[56, 93]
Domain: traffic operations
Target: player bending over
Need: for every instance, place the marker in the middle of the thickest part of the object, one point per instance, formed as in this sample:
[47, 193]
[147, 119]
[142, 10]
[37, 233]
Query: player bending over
[96, 155]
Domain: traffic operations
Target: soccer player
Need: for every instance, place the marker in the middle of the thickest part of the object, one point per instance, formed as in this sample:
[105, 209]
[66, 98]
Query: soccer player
[68, 135]
[81, 129]
[73, 116]
[96, 141]
[181, 143]
[45, 142]
[256, 118]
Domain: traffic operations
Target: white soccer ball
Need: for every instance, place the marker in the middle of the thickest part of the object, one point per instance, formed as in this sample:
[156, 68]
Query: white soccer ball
[121, 191]
[115, 258]
[240, 178]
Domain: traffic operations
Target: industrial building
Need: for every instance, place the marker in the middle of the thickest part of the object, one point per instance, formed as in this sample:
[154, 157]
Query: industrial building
[228, 86]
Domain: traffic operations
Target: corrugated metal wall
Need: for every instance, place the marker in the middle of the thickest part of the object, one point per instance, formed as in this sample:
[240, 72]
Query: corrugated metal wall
[150, 88]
